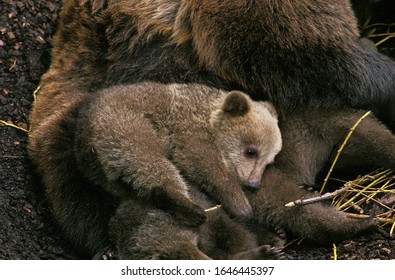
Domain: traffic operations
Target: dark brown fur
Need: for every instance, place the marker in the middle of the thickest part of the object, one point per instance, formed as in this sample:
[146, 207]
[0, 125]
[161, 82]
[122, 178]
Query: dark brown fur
[141, 231]
[260, 47]
[311, 140]
[299, 54]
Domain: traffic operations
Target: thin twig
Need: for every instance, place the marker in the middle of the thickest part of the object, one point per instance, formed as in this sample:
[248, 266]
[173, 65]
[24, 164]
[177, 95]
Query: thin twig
[366, 193]
[360, 192]
[14, 126]
[213, 208]
[382, 35]
[362, 216]
[384, 40]
[326, 196]
[35, 98]
[13, 65]
[296, 241]
[334, 252]
[12, 157]
[35, 93]
[341, 149]
[392, 228]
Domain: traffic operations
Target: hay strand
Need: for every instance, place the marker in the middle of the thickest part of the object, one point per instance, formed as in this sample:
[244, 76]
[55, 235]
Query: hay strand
[9, 124]
[334, 252]
[14, 126]
[35, 93]
[341, 149]
[356, 195]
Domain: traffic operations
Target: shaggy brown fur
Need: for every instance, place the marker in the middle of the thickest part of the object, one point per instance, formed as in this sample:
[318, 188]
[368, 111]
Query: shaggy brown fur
[310, 141]
[145, 140]
[141, 231]
[301, 55]
[293, 53]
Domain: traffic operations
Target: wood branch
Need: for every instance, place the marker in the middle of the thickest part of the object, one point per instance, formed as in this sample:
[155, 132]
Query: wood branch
[361, 216]
[326, 196]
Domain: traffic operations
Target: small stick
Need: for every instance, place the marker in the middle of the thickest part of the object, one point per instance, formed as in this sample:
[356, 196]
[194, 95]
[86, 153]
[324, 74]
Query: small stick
[13, 65]
[334, 252]
[361, 216]
[384, 40]
[14, 126]
[365, 196]
[341, 149]
[35, 93]
[392, 229]
[357, 208]
[326, 196]
[213, 208]
[11, 157]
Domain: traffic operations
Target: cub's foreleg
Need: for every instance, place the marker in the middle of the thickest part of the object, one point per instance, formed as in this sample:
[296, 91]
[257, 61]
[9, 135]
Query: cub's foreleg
[120, 150]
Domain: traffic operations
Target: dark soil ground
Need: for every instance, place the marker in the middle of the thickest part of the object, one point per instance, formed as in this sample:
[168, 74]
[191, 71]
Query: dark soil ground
[26, 228]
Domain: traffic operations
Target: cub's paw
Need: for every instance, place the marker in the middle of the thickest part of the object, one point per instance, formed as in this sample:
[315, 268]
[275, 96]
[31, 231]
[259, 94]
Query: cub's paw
[189, 215]
[105, 254]
[280, 238]
[272, 253]
[180, 207]
[239, 209]
[187, 252]
[325, 224]
[264, 252]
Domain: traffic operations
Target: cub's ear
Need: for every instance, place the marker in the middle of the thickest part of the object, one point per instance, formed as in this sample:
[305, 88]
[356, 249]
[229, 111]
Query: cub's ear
[236, 104]
[270, 107]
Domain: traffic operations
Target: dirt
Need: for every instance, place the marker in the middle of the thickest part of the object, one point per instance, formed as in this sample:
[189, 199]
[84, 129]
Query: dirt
[27, 230]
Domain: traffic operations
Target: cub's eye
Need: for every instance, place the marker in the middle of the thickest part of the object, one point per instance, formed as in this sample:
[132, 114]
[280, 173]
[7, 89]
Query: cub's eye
[251, 152]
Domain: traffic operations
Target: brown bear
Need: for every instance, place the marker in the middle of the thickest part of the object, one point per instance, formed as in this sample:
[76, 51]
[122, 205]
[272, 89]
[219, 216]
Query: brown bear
[302, 55]
[295, 53]
[311, 140]
[141, 231]
[147, 140]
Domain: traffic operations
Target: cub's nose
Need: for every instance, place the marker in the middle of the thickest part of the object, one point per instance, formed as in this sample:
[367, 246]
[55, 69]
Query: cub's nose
[253, 184]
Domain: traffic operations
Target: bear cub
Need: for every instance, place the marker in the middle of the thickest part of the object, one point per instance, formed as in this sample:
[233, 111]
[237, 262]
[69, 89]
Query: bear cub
[153, 138]
[149, 142]
[141, 231]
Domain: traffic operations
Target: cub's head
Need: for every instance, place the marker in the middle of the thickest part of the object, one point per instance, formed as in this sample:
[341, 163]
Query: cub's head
[247, 135]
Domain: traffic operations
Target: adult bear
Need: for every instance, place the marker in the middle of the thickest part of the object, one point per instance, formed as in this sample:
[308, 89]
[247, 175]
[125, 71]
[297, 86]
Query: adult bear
[299, 54]
[291, 52]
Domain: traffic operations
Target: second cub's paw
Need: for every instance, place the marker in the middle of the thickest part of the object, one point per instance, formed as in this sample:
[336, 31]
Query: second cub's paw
[265, 252]
[272, 253]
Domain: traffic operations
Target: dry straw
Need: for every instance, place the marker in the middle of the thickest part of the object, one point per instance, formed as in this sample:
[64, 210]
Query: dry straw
[374, 194]
[379, 32]
[371, 195]
[14, 126]
[10, 124]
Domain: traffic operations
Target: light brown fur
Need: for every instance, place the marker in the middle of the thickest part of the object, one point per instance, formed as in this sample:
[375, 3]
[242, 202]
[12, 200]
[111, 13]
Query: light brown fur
[151, 135]
[150, 141]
